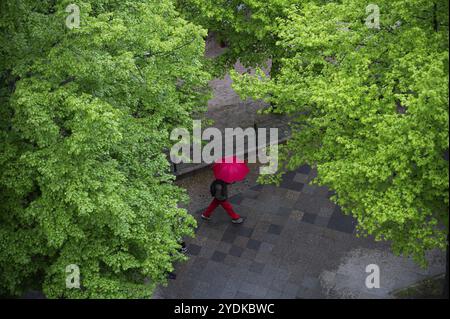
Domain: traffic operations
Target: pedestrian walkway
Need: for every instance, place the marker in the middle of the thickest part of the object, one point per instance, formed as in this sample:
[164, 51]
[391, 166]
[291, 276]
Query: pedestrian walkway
[242, 115]
[295, 243]
[227, 110]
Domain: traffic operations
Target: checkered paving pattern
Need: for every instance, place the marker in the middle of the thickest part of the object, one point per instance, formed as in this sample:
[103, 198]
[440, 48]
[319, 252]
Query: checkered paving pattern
[291, 234]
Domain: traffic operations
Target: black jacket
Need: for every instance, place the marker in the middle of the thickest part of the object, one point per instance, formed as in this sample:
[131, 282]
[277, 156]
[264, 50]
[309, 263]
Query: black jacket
[219, 190]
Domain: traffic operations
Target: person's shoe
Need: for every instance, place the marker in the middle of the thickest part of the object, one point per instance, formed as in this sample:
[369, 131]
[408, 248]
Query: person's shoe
[206, 217]
[239, 220]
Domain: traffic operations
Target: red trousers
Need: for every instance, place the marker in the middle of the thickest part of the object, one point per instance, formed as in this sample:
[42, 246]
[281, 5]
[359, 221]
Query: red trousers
[225, 204]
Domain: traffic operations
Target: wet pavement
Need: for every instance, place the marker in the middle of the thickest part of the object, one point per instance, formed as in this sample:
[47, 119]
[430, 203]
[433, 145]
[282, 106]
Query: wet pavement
[294, 243]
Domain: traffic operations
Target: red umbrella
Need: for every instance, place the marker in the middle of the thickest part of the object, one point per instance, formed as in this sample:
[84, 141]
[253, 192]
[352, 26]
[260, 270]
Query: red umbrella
[230, 169]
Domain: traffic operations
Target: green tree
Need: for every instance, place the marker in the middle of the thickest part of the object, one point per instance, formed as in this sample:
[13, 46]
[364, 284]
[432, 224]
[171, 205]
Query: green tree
[370, 112]
[247, 27]
[85, 118]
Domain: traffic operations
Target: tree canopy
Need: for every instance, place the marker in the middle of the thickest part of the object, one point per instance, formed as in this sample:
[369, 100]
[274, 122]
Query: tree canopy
[247, 27]
[86, 114]
[370, 109]
[85, 118]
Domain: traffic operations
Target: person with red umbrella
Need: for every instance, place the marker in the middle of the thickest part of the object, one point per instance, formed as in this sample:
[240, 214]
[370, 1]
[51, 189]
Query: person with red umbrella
[227, 171]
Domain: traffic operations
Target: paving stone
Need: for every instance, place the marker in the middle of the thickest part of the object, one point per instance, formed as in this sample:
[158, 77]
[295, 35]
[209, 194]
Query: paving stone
[309, 189]
[257, 279]
[243, 295]
[249, 254]
[213, 272]
[316, 191]
[257, 188]
[306, 293]
[278, 219]
[217, 227]
[275, 229]
[309, 218]
[341, 222]
[211, 233]
[194, 250]
[327, 209]
[253, 290]
[270, 271]
[279, 192]
[243, 264]
[198, 294]
[266, 217]
[257, 267]
[262, 226]
[228, 293]
[244, 231]
[218, 256]
[263, 257]
[273, 294]
[223, 247]
[250, 194]
[214, 234]
[237, 199]
[265, 207]
[199, 262]
[240, 230]
[228, 237]
[231, 261]
[292, 195]
[296, 277]
[282, 274]
[284, 211]
[202, 232]
[236, 251]
[253, 244]
[270, 238]
[322, 191]
[207, 252]
[258, 235]
[278, 284]
[296, 215]
[241, 241]
[321, 221]
[249, 202]
[311, 282]
[233, 285]
[290, 291]
[291, 185]
[239, 275]
[309, 204]
[301, 178]
[302, 293]
[289, 175]
[268, 197]
[218, 284]
[266, 247]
